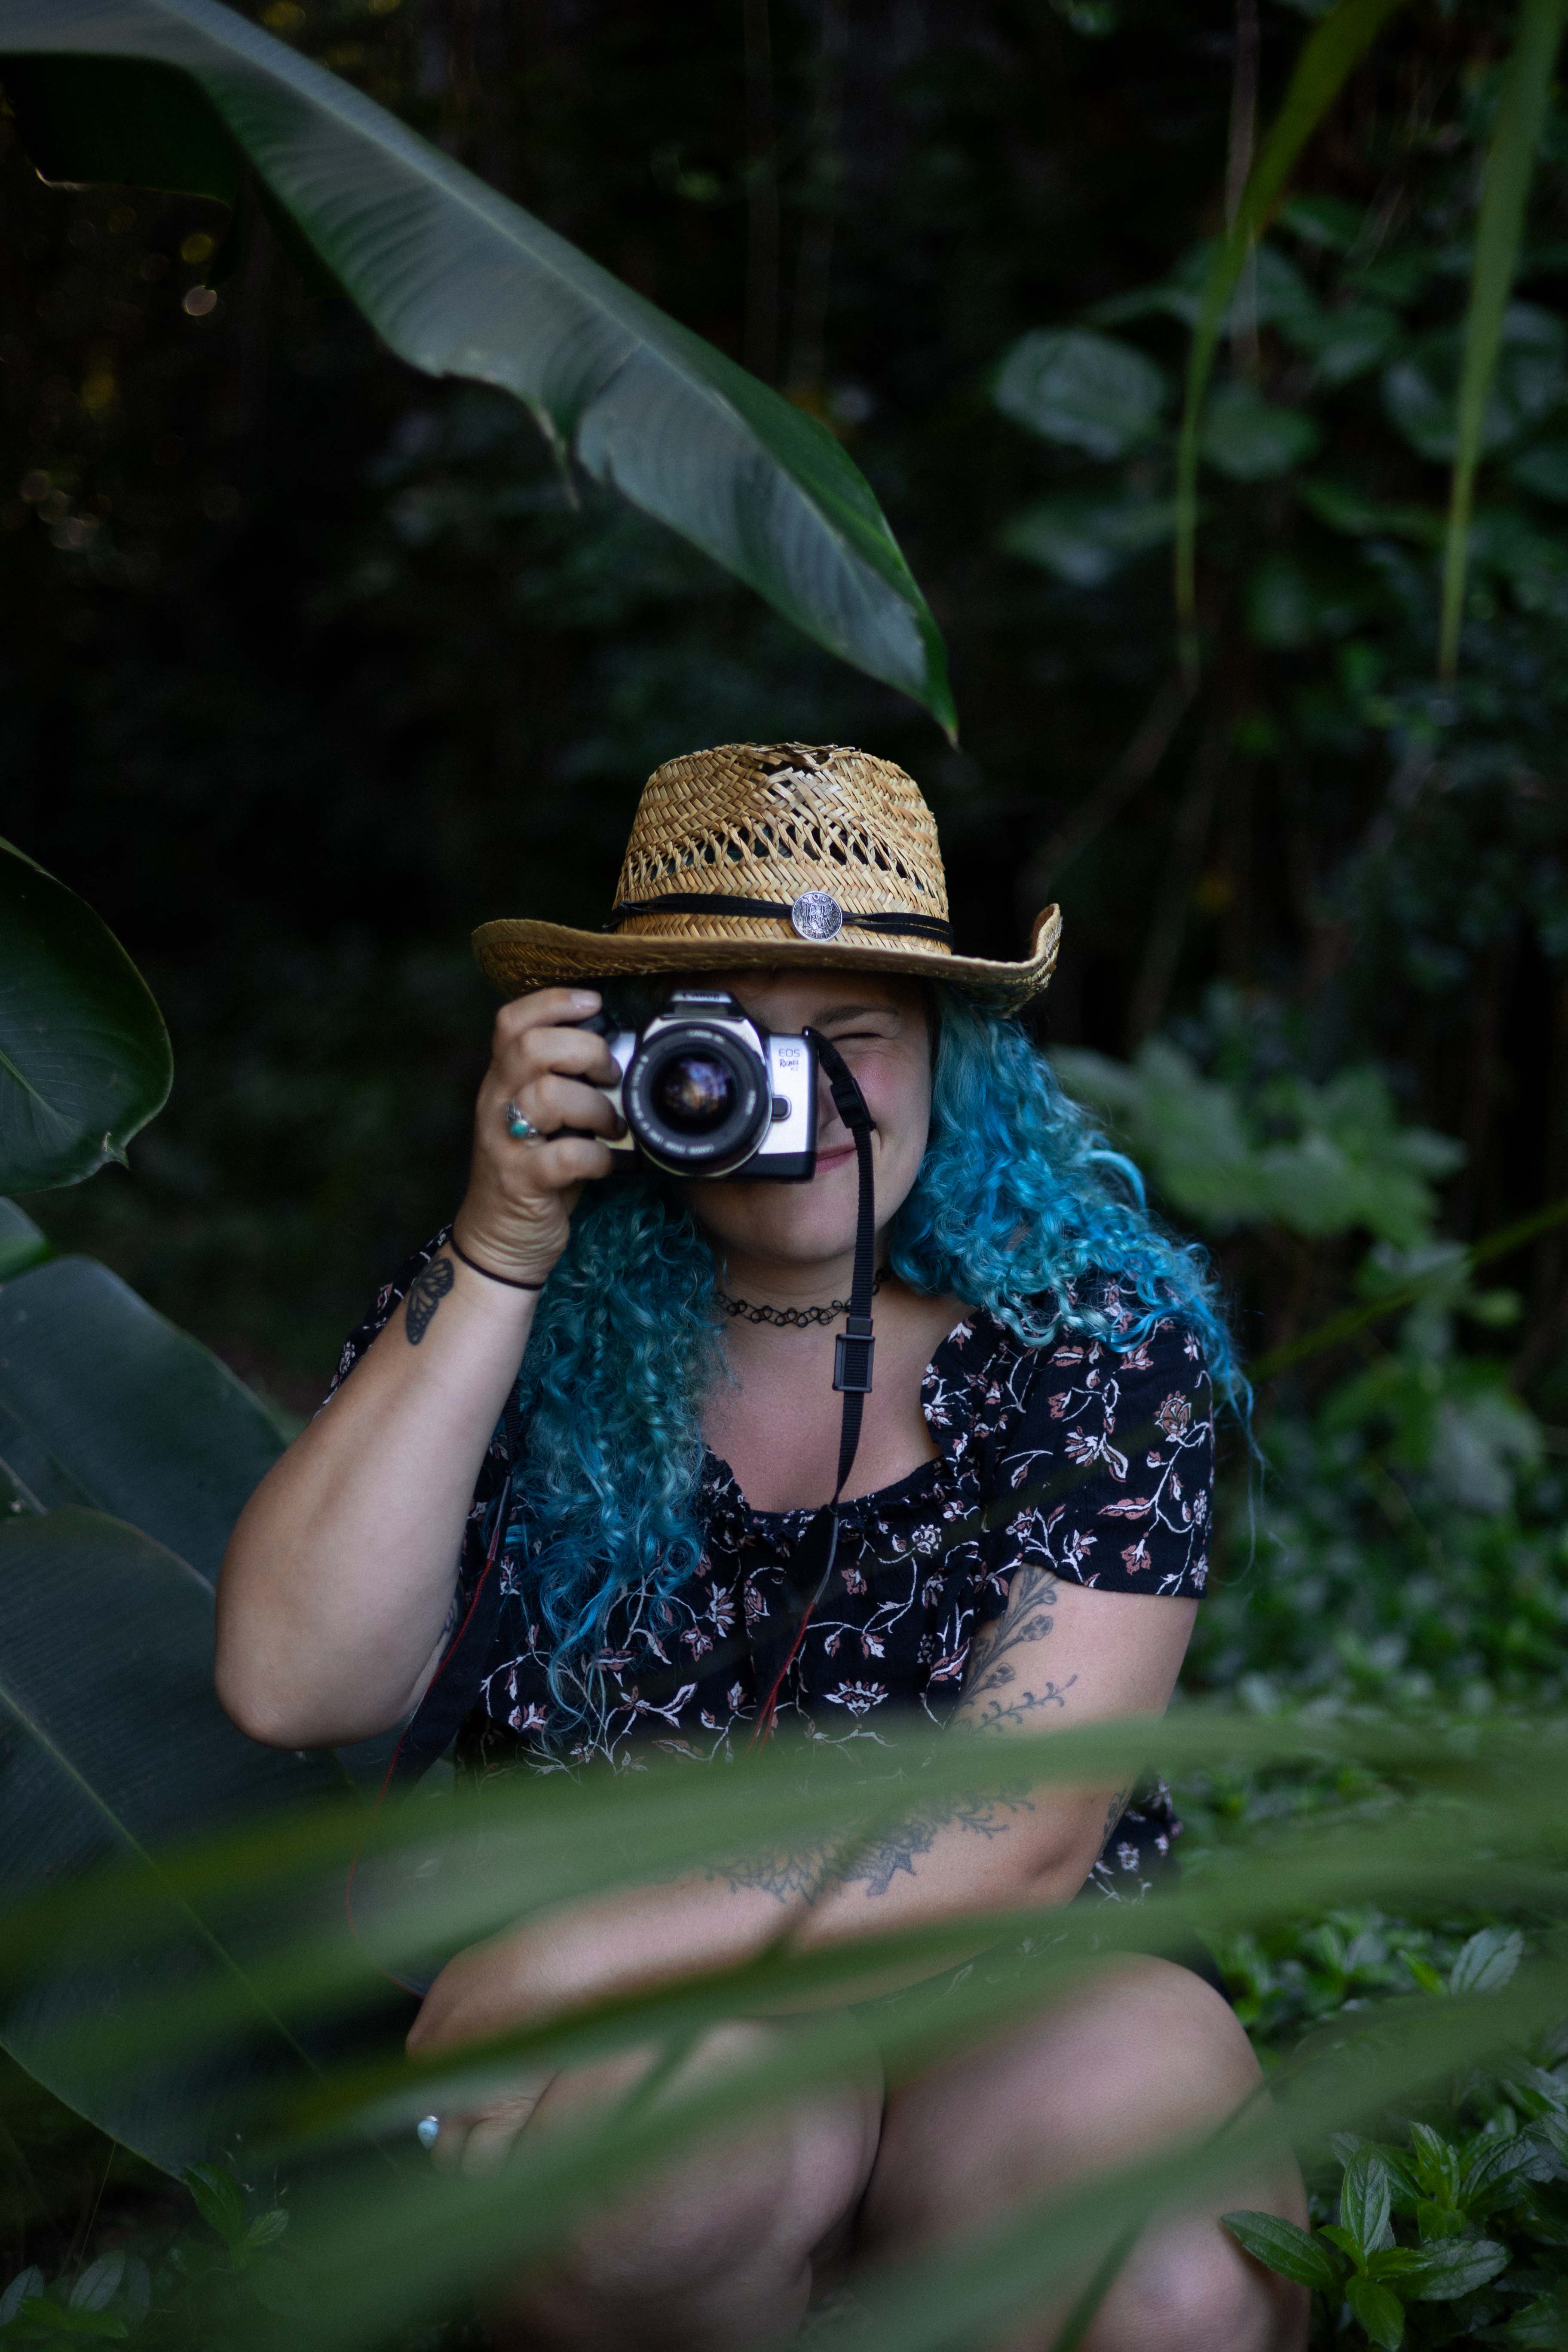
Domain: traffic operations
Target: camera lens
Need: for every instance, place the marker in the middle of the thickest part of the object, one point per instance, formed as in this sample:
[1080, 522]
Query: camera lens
[697, 1097]
[693, 1093]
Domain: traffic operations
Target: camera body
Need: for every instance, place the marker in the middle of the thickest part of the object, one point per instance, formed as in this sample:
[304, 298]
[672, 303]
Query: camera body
[706, 1091]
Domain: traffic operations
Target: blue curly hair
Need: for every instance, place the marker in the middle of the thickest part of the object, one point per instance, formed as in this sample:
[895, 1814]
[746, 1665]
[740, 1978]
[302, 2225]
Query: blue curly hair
[1019, 1202]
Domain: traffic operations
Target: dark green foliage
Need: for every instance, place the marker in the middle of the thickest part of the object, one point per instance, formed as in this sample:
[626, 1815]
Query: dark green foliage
[193, 2266]
[391, 685]
[1449, 2235]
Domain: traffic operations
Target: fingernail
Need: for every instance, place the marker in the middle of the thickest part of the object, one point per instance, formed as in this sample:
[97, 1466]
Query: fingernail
[587, 997]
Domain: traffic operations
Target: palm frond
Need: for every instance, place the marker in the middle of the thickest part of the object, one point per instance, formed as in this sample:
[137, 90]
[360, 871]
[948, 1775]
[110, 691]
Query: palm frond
[1335, 47]
[1510, 168]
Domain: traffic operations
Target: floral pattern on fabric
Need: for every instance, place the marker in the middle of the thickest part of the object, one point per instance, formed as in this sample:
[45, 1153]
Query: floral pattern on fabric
[1087, 1459]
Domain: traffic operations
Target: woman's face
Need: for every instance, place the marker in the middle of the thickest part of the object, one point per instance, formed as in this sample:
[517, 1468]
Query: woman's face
[880, 1028]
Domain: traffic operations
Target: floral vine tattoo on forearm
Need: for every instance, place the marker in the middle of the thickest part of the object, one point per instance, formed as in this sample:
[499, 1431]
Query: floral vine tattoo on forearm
[425, 1293]
[992, 1702]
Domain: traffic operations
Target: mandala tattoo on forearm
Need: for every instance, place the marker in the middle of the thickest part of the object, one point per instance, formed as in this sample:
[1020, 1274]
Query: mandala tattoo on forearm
[789, 1874]
[807, 1873]
[876, 1865]
[425, 1293]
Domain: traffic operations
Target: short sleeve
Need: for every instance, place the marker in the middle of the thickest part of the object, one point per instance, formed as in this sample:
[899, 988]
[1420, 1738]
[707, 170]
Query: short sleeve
[1106, 1475]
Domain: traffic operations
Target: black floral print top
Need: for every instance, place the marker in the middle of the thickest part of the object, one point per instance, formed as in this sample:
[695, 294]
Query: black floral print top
[1089, 1461]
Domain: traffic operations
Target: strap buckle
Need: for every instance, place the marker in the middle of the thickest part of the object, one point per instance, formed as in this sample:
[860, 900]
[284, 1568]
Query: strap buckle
[852, 1353]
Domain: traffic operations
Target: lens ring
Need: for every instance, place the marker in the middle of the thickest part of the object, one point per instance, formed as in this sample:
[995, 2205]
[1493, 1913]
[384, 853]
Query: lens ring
[728, 1098]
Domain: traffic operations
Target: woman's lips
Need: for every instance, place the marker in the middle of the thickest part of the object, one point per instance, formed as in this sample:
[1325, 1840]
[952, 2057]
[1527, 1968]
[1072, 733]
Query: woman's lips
[831, 1159]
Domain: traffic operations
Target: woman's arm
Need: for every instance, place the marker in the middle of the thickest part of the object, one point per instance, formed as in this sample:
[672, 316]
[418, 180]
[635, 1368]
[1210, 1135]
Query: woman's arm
[339, 1574]
[1061, 1654]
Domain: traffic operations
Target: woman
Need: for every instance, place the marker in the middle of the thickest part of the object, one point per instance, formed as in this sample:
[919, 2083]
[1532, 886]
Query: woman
[590, 1431]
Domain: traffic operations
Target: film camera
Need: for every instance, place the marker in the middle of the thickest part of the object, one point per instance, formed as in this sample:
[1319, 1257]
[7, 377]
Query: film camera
[706, 1091]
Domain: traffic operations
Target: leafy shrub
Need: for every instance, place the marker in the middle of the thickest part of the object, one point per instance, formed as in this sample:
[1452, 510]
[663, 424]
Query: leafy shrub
[1454, 2233]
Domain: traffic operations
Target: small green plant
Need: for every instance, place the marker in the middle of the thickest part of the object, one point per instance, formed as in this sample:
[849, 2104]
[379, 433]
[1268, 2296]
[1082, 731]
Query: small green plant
[193, 2286]
[110, 2298]
[1358, 2261]
[220, 2201]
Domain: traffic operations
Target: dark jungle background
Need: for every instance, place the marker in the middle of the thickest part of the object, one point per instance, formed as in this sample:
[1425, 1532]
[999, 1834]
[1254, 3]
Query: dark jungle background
[310, 665]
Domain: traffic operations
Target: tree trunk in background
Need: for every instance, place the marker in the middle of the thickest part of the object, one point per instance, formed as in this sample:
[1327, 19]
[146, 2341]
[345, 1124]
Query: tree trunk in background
[1242, 136]
[819, 198]
[1476, 1196]
[1546, 1294]
[1183, 863]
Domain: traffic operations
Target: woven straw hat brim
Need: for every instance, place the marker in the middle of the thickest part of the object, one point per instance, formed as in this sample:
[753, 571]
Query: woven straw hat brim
[519, 955]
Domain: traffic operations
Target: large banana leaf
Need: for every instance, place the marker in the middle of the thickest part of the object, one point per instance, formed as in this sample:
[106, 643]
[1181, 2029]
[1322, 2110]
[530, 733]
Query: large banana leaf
[461, 282]
[102, 1403]
[22, 1243]
[111, 1742]
[84, 1055]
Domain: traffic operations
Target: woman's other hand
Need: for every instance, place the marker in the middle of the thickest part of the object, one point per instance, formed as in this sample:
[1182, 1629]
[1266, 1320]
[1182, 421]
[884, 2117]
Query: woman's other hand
[538, 1970]
[491, 1988]
[516, 1213]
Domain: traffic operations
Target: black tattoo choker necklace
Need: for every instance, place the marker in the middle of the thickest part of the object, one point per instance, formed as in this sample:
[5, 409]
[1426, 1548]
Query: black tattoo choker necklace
[792, 1318]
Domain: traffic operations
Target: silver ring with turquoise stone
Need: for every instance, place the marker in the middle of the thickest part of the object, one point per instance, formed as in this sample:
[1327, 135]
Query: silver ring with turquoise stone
[521, 1129]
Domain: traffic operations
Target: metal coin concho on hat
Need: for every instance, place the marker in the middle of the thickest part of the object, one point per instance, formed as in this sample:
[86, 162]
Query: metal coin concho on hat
[817, 915]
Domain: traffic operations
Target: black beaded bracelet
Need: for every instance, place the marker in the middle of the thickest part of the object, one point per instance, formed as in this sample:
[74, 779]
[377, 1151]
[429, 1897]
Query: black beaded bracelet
[455, 1246]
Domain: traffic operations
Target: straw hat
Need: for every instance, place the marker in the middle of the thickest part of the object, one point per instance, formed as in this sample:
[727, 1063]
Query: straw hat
[796, 855]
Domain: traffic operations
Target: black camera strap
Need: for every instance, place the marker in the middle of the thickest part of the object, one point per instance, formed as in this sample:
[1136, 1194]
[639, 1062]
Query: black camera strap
[853, 1351]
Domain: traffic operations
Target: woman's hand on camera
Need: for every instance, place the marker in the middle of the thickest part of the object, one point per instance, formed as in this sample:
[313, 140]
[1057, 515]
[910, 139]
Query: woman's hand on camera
[516, 1215]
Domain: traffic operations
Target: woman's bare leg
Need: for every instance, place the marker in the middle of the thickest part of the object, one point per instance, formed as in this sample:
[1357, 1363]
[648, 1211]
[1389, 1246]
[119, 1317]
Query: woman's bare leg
[1150, 2054]
[722, 2253]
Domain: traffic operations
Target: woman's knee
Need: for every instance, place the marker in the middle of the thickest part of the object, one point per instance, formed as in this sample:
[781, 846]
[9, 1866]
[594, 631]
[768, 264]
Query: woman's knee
[1147, 2052]
[718, 2252]
[1148, 2057]
[1189, 2288]
[767, 2197]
